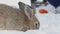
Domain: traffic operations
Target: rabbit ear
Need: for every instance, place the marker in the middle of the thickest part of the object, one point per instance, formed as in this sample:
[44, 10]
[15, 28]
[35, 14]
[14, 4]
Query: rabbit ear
[29, 11]
[21, 6]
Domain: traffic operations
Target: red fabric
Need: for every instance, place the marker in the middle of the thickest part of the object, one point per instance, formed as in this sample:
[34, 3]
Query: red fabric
[42, 11]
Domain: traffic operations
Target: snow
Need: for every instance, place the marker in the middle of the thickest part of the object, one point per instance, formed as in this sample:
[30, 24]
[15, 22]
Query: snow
[14, 2]
[49, 23]
[58, 9]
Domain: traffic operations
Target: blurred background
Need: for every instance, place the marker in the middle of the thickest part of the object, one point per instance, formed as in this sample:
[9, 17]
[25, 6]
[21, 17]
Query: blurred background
[48, 16]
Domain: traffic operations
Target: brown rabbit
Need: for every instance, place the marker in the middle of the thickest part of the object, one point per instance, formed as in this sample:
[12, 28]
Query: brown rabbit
[16, 19]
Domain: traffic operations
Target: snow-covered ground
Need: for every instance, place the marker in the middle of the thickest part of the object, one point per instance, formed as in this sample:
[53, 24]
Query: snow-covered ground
[14, 2]
[49, 23]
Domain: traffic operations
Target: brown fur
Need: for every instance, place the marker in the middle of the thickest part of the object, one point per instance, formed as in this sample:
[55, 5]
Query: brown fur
[14, 19]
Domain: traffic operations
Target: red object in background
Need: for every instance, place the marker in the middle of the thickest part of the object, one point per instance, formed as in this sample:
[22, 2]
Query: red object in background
[43, 11]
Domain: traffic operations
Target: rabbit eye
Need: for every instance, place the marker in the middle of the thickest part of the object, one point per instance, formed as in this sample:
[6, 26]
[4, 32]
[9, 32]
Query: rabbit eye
[36, 24]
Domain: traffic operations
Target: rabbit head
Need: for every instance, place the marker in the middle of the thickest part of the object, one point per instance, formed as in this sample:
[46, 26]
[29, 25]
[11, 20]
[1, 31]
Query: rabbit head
[29, 11]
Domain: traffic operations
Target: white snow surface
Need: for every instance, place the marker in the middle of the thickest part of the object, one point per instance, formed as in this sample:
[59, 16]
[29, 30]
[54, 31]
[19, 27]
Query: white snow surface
[14, 2]
[49, 23]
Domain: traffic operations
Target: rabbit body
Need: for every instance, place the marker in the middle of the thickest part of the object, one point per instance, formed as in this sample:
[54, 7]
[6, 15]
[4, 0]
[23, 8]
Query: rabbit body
[12, 19]
[18, 19]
